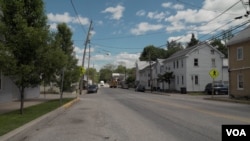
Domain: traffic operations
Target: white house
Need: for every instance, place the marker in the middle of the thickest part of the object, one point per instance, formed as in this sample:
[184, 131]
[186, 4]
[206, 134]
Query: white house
[9, 91]
[157, 68]
[191, 67]
[143, 73]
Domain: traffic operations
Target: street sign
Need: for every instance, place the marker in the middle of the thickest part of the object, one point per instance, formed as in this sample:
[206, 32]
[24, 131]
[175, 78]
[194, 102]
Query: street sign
[214, 73]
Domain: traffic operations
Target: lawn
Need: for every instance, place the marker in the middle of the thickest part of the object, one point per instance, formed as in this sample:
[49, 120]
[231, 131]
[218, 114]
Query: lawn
[12, 120]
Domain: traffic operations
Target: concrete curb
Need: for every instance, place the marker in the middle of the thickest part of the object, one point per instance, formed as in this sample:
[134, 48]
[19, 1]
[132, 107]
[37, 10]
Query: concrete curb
[33, 122]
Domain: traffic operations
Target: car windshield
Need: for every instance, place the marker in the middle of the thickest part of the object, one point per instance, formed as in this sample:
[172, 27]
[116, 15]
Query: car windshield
[92, 86]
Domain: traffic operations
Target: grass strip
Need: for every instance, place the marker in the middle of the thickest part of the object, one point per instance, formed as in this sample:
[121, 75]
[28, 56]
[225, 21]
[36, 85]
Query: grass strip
[12, 120]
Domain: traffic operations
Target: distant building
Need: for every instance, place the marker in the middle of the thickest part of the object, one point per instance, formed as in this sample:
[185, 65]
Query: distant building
[239, 64]
[191, 67]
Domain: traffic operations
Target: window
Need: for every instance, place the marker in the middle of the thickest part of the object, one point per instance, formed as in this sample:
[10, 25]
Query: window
[213, 62]
[240, 82]
[182, 64]
[212, 51]
[196, 80]
[240, 53]
[177, 64]
[196, 62]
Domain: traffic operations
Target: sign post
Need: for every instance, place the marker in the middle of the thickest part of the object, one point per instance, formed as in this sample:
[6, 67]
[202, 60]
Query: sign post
[214, 73]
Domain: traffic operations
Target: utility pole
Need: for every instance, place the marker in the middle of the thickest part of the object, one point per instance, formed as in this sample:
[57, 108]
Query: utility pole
[84, 54]
[88, 67]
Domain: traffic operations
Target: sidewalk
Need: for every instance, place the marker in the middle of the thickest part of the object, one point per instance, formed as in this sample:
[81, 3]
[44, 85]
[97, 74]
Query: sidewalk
[15, 105]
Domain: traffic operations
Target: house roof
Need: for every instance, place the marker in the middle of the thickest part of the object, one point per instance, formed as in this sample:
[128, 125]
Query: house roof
[160, 61]
[188, 50]
[142, 64]
[242, 36]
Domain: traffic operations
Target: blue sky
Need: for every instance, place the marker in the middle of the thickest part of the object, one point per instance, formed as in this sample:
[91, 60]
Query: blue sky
[122, 28]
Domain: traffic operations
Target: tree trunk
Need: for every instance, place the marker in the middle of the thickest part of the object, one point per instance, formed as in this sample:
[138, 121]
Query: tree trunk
[21, 100]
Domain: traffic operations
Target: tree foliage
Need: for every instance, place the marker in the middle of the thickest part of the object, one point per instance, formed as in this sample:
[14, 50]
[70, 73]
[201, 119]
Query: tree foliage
[173, 47]
[193, 41]
[106, 72]
[221, 47]
[92, 74]
[153, 53]
[71, 70]
[24, 38]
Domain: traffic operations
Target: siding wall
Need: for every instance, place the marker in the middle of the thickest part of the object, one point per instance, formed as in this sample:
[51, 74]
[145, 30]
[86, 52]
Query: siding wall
[10, 92]
[239, 67]
[202, 71]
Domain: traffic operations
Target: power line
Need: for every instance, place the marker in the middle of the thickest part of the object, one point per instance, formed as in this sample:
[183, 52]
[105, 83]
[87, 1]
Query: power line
[77, 15]
[130, 36]
[106, 46]
[200, 7]
[223, 12]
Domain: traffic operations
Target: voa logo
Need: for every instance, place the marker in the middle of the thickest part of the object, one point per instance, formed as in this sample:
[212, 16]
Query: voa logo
[236, 132]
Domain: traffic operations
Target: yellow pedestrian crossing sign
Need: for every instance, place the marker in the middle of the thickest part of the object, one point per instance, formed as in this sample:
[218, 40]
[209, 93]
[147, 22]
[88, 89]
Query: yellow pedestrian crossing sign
[214, 73]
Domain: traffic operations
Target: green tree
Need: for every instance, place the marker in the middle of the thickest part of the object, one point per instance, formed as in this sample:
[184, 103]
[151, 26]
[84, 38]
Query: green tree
[221, 47]
[226, 35]
[152, 53]
[71, 71]
[131, 76]
[173, 47]
[166, 77]
[24, 37]
[193, 41]
[106, 72]
[92, 74]
[54, 60]
[120, 69]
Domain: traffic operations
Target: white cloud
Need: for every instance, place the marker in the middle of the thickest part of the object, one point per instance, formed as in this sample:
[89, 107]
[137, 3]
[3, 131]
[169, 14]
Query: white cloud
[144, 27]
[158, 16]
[178, 6]
[80, 20]
[175, 27]
[59, 18]
[205, 20]
[141, 13]
[53, 26]
[170, 5]
[66, 18]
[183, 38]
[117, 12]
[166, 5]
[128, 59]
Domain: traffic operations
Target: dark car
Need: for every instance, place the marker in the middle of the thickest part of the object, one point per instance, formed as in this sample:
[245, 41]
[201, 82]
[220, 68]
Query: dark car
[219, 88]
[92, 89]
[140, 88]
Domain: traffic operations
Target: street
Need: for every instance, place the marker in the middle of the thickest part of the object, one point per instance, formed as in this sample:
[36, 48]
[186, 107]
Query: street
[115, 114]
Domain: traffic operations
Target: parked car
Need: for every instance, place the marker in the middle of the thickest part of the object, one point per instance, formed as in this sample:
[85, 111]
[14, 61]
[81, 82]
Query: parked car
[219, 88]
[140, 88]
[92, 89]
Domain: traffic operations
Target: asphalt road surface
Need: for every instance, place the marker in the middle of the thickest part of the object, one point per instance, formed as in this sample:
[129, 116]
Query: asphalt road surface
[115, 114]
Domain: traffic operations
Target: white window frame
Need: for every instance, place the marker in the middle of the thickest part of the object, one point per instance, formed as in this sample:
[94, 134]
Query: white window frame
[196, 77]
[240, 50]
[196, 62]
[212, 51]
[240, 79]
[213, 62]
